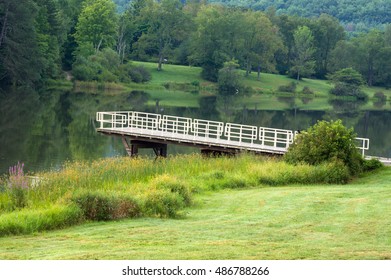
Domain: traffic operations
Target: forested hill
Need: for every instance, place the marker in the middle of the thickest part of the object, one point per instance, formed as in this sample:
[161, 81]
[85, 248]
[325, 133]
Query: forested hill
[356, 11]
[361, 13]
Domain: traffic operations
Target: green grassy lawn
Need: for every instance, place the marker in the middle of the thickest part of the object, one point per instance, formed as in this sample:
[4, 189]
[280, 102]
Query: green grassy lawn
[266, 94]
[291, 222]
[172, 73]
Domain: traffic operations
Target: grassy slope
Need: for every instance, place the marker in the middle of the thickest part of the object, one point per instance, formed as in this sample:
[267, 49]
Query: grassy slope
[294, 222]
[269, 84]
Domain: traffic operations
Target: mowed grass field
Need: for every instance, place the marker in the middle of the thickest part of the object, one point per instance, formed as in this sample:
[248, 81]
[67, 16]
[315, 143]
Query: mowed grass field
[265, 91]
[283, 222]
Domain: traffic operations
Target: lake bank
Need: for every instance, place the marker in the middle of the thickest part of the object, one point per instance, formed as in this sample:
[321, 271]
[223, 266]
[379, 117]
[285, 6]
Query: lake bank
[280, 222]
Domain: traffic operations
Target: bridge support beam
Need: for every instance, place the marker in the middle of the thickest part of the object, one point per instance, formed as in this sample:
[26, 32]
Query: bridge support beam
[132, 147]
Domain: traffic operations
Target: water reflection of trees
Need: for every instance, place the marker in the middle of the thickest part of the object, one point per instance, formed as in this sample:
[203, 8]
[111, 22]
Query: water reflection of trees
[45, 129]
[351, 106]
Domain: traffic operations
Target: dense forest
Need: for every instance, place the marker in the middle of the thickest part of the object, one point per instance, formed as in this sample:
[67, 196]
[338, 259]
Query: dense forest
[97, 40]
[355, 15]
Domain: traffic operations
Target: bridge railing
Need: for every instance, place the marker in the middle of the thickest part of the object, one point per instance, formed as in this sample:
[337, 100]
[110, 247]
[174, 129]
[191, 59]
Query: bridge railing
[114, 119]
[176, 125]
[362, 144]
[141, 120]
[240, 133]
[275, 137]
[205, 130]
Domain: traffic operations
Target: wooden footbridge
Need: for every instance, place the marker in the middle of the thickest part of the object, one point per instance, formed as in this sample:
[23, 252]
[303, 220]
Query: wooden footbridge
[145, 130]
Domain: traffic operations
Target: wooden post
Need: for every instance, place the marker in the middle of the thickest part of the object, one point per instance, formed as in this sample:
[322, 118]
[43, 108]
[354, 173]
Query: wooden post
[132, 149]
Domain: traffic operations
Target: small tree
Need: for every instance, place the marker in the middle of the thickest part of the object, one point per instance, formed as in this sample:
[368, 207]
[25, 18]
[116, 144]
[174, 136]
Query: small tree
[347, 82]
[303, 61]
[326, 141]
[229, 81]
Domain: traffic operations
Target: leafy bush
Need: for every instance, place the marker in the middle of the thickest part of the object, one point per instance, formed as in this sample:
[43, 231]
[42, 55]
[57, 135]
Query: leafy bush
[229, 81]
[174, 185]
[163, 203]
[140, 74]
[99, 206]
[380, 96]
[137, 74]
[347, 83]
[291, 87]
[195, 83]
[325, 142]
[372, 164]
[307, 90]
[341, 89]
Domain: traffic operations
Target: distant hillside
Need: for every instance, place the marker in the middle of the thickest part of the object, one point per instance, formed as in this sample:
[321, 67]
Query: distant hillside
[357, 15]
[374, 12]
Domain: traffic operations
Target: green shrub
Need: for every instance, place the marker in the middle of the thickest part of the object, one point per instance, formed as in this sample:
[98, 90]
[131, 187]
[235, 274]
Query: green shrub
[372, 164]
[139, 74]
[380, 96]
[195, 83]
[307, 90]
[325, 142]
[291, 87]
[28, 221]
[174, 185]
[163, 203]
[348, 82]
[334, 172]
[100, 206]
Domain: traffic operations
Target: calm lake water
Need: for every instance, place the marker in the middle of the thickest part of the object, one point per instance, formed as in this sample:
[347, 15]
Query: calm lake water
[44, 130]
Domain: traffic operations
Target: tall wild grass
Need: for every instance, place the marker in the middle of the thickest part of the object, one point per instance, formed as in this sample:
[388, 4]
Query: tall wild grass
[117, 188]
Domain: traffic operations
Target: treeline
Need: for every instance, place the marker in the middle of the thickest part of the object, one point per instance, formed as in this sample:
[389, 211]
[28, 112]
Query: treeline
[356, 16]
[39, 39]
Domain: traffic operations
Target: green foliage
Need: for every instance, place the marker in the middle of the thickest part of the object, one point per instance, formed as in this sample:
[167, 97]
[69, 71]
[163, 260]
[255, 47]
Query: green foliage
[334, 172]
[380, 96]
[17, 186]
[347, 83]
[164, 27]
[372, 164]
[291, 87]
[347, 76]
[326, 142]
[102, 66]
[229, 80]
[97, 24]
[110, 189]
[307, 90]
[163, 203]
[28, 221]
[358, 15]
[100, 206]
[140, 74]
[21, 60]
[303, 63]
[342, 89]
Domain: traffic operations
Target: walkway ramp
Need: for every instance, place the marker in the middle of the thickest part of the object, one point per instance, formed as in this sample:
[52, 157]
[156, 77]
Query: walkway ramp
[147, 130]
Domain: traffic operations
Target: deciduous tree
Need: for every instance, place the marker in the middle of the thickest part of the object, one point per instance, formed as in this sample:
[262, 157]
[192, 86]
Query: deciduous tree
[303, 62]
[97, 24]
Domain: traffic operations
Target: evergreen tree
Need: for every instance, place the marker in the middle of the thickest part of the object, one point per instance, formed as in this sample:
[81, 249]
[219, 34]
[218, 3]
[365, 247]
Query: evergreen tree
[20, 61]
